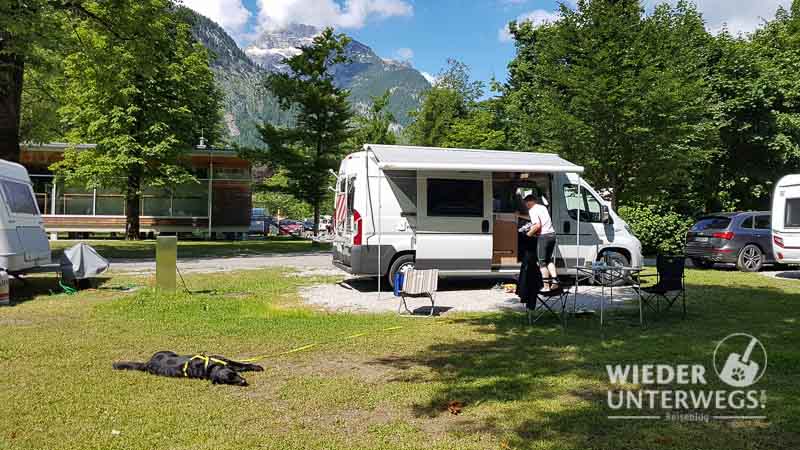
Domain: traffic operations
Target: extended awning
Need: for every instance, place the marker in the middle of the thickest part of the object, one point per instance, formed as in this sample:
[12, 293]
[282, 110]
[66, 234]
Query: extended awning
[401, 157]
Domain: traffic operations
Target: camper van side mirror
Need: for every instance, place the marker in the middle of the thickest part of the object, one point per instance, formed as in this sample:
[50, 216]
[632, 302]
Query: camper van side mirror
[605, 216]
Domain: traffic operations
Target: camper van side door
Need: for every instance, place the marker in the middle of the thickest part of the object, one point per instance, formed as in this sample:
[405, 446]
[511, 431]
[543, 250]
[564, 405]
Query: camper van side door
[454, 221]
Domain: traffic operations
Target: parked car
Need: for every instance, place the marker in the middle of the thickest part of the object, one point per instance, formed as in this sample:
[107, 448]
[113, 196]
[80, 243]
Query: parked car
[290, 227]
[741, 238]
[260, 222]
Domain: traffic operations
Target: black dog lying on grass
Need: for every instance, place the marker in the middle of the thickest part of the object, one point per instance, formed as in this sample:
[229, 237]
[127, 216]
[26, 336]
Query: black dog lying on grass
[215, 368]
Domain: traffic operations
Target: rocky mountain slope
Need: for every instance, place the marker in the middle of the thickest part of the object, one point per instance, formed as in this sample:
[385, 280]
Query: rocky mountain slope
[240, 74]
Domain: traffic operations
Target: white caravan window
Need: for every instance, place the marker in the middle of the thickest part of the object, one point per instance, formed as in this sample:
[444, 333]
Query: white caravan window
[19, 197]
[455, 198]
[586, 203]
[792, 213]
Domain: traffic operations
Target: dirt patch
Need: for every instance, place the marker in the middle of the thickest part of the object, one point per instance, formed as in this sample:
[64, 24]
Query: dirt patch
[15, 322]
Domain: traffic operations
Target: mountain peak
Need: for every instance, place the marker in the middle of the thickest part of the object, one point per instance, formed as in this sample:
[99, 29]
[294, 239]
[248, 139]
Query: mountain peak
[240, 74]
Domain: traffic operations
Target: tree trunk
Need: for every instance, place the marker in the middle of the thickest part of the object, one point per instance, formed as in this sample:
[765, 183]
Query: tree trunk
[316, 217]
[132, 201]
[11, 73]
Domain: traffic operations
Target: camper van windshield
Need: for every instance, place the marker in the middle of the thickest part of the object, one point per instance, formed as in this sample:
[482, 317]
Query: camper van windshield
[792, 213]
[19, 197]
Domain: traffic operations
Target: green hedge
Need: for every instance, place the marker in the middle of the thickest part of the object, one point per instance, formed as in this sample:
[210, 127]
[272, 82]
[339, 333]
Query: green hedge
[659, 231]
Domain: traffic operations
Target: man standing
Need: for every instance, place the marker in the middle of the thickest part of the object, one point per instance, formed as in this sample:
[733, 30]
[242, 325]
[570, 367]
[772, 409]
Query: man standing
[542, 226]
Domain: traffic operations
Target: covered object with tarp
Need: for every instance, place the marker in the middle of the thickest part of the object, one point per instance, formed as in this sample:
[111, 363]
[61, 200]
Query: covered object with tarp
[81, 262]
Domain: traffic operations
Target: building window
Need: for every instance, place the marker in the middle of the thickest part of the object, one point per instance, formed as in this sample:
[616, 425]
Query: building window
[156, 202]
[455, 198]
[190, 200]
[231, 173]
[109, 202]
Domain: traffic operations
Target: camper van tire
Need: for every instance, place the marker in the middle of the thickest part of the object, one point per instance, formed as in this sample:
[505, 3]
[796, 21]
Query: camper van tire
[750, 259]
[401, 264]
[615, 258]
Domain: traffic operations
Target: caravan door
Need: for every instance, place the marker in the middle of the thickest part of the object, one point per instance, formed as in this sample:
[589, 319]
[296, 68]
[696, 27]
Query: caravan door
[454, 231]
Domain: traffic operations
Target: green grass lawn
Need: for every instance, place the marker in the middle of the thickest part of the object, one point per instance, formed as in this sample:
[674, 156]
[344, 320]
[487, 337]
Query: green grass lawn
[119, 249]
[523, 387]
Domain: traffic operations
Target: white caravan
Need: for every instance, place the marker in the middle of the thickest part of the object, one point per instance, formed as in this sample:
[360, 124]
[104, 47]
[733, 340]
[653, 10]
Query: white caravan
[23, 241]
[786, 220]
[456, 210]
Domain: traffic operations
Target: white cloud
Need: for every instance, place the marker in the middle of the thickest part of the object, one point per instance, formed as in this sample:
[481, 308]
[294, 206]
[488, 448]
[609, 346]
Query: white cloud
[404, 54]
[322, 13]
[739, 15]
[537, 18]
[230, 14]
[431, 78]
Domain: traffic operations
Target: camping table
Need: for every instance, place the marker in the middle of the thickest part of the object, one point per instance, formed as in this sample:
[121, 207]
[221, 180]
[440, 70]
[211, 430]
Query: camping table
[611, 274]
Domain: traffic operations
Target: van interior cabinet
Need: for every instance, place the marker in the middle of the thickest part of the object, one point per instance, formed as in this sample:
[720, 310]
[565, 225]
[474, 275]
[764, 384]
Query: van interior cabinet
[505, 245]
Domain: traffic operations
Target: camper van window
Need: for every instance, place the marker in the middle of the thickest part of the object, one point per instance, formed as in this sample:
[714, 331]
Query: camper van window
[586, 203]
[792, 213]
[19, 197]
[455, 198]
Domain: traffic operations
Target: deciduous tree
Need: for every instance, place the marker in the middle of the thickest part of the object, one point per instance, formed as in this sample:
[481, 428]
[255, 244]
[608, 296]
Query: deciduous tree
[144, 102]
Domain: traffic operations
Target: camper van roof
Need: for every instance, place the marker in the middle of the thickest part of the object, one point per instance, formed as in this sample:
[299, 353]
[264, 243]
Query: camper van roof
[401, 157]
[13, 171]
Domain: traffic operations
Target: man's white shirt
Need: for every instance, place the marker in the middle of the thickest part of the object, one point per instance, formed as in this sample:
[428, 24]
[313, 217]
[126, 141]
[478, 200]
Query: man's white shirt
[540, 215]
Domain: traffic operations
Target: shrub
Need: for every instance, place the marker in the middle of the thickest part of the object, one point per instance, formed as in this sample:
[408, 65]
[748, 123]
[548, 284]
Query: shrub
[659, 231]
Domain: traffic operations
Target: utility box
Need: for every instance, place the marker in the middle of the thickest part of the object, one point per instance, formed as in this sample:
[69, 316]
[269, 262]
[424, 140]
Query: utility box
[166, 262]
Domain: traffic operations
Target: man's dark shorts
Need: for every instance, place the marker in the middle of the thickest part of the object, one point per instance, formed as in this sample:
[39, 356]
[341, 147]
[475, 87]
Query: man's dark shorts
[545, 248]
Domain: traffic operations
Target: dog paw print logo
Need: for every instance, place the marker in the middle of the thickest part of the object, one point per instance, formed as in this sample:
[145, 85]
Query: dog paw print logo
[740, 369]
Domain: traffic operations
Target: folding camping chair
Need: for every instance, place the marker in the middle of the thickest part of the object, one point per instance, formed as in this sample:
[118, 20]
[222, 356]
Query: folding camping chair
[669, 283]
[553, 301]
[418, 283]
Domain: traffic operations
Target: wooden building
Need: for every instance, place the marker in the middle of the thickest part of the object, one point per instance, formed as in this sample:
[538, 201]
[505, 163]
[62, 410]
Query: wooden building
[183, 209]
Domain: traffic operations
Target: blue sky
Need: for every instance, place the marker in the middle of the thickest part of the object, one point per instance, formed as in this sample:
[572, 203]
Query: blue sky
[427, 32]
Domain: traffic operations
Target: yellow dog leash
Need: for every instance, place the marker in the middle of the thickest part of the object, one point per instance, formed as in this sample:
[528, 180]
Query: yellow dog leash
[315, 344]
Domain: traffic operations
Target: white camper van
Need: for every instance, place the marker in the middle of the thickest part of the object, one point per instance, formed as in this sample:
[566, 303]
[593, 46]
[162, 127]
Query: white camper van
[786, 220]
[23, 241]
[456, 210]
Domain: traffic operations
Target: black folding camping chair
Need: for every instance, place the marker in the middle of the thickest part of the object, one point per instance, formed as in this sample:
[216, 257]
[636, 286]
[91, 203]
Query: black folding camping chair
[553, 301]
[669, 284]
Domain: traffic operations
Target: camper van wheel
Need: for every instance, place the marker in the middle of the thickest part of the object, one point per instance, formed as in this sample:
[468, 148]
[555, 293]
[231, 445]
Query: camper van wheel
[615, 259]
[401, 264]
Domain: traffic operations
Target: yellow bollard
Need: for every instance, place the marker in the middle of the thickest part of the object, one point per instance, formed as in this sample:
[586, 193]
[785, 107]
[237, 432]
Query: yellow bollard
[166, 262]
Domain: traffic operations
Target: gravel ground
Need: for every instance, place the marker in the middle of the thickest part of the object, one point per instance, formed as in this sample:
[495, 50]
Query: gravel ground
[306, 264]
[455, 295]
[361, 294]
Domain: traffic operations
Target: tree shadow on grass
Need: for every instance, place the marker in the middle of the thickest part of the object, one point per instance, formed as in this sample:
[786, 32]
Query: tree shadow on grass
[545, 386]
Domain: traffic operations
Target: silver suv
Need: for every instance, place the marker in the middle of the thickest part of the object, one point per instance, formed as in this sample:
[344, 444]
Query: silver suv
[741, 238]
